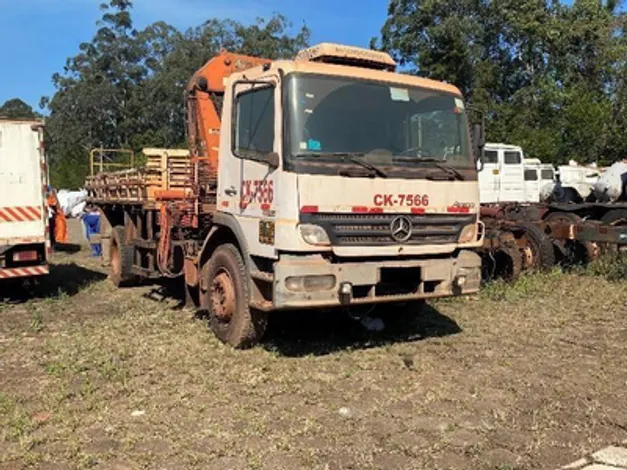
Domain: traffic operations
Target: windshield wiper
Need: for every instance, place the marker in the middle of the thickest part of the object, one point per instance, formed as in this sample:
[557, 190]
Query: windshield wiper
[442, 166]
[353, 157]
[356, 158]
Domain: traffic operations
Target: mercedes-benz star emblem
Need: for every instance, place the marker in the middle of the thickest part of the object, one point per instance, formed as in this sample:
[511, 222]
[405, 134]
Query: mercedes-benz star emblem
[401, 229]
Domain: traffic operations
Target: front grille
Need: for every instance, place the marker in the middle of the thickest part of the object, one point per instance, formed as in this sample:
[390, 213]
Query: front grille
[375, 229]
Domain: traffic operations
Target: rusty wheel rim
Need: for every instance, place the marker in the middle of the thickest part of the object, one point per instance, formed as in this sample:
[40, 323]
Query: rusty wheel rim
[529, 257]
[223, 296]
[593, 250]
[528, 251]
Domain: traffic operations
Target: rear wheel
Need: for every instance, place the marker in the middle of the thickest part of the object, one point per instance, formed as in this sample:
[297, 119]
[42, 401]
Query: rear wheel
[227, 297]
[537, 249]
[121, 259]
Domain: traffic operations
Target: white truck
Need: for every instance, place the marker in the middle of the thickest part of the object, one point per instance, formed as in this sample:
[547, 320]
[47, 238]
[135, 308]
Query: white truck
[540, 179]
[502, 176]
[529, 208]
[24, 240]
[324, 181]
[508, 176]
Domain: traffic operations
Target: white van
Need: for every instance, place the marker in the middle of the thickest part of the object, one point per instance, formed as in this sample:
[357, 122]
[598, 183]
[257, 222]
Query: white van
[24, 241]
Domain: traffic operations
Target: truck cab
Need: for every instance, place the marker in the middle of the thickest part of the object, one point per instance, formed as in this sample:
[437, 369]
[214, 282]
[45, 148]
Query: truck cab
[375, 175]
[502, 178]
[539, 180]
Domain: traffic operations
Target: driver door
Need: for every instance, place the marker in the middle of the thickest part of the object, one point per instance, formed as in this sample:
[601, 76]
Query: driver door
[249, 184]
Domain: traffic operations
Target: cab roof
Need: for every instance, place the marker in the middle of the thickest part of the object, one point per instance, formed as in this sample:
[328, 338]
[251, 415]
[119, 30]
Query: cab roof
[349, 71]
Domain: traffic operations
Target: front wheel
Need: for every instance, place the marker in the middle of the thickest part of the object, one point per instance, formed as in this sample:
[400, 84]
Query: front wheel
[227, 297]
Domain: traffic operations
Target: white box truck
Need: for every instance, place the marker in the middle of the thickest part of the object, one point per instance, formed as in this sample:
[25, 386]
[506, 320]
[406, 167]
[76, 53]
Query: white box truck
[24, 240]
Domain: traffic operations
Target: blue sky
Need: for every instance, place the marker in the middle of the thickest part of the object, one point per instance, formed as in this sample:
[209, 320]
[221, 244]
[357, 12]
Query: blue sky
[37, 36]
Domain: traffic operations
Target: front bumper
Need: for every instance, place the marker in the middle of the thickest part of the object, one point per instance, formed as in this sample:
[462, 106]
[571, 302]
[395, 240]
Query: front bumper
[376, 281]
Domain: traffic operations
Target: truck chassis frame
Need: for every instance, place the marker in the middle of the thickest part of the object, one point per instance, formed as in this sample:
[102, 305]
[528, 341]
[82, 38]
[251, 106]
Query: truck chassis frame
[577, 232]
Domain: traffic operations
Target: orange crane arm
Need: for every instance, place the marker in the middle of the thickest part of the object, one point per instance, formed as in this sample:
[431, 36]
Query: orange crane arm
[204, 95]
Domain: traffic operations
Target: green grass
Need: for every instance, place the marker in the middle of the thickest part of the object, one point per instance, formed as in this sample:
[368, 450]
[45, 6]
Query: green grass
[14, 421]
[528, 284]
[37, 321]
[611, 267]
[101, 354]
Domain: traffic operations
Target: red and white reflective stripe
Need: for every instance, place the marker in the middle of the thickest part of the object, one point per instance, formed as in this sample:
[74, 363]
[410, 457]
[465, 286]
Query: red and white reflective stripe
[20, 214]
[381, 210]
[24, 272]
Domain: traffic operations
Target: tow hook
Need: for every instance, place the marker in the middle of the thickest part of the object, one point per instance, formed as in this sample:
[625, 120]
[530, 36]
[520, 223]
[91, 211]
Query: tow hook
[346, 293]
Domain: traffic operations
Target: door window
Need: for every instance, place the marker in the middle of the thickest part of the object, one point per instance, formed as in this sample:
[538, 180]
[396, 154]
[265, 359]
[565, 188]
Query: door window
[490, 156]
[254, 122]
[513, 158]
[531, 175]
[547, 175]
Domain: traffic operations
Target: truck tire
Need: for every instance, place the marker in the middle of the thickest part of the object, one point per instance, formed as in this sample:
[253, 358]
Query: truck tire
[568, 195]
[538, 252]
[230, 316]
[121, 259]
[562, 217]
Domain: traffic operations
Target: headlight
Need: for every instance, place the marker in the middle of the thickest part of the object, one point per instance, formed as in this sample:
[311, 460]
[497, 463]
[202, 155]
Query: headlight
[469, 234]
[314, 235]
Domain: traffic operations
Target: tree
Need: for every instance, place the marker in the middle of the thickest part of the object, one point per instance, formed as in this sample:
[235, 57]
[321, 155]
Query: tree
[550, 76]
[125, 88]
[17, 109]
[192, 49]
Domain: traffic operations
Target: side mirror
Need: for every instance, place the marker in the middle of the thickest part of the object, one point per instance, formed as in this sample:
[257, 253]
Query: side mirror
[477, 134]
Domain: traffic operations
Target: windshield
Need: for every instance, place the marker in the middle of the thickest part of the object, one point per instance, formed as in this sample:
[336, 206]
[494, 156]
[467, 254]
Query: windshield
[387, 125]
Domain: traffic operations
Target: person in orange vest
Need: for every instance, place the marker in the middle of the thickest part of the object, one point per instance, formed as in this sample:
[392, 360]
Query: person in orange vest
[58, 224]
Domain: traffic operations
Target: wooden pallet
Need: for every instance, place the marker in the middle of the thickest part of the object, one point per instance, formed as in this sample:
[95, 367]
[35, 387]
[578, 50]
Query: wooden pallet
[167, 172]
[168, 169]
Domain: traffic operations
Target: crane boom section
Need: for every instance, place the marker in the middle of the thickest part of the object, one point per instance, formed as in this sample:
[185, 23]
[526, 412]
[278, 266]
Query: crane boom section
[204, 95]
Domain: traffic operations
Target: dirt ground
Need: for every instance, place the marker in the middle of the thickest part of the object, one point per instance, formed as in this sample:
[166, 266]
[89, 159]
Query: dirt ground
[525, 377]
